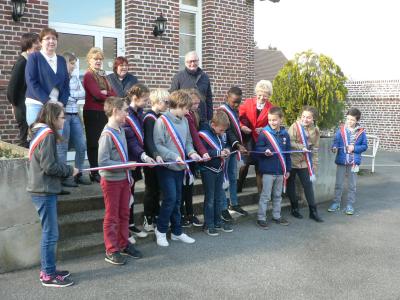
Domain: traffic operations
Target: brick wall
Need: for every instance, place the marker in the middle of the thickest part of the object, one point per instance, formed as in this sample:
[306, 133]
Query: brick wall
[379, 102]
[35, 18]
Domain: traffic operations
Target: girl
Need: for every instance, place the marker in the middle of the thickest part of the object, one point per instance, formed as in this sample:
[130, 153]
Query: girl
[44, 183]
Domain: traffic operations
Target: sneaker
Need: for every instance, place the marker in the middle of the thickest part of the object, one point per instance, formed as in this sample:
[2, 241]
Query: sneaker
[334, 207]
[161, 238]
[69, 182]
[132, 240]
[63, 274]
[263, 224]
[185, 222]
[183, 238]
[224, 227]
[238, 209]
[64, 192]
[56, 281]
[148, 224]
[211, 232]
[349, 210]
[226, 216]
[137, 232]
[115, 258]
[281, 221]
[195, 221]
[132, 252]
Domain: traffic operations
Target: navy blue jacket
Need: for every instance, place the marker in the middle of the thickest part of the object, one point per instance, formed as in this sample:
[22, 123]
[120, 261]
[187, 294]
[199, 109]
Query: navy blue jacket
[40, 78]
[271, 164]
[360, 146]
[214, 164]
[121, 87]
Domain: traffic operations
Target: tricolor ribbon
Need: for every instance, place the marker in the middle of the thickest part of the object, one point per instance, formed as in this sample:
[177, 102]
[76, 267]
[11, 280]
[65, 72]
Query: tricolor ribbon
[235, 121]
[151, 116]
[136, 127]
[350, 156]
[307, 155]
[39, 136]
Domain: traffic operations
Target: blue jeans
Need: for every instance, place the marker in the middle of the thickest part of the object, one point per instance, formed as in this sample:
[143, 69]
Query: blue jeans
[232, 176]
[72, 132]
[46, 207]
[213, 197]
[32, 112]
[171, 186]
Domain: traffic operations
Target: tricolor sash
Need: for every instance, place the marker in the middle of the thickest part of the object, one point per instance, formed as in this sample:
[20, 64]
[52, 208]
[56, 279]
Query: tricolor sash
[39, 137]
[307, 155]
[136, 127]
[151, 116]
[235, 121]
[344, 134]
[119, 145]
[277, 149]
[180, 146]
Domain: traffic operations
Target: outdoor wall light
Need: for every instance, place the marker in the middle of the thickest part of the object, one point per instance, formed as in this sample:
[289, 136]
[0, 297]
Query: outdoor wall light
[159, 28]
[18, 9]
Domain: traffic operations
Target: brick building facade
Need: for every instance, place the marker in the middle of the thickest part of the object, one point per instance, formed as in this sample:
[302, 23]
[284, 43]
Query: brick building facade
[224, 38]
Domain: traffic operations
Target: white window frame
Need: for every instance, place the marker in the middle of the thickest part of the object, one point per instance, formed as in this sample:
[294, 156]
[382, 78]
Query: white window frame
[198, 26]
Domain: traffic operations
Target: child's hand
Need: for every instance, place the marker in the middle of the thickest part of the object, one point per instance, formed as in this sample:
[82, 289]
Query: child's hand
[305, 150]
[206, 156]
[225, 152]
[180, 161]
[258, 130]
[242, 149]
[159, 159]
[268, 152]
[75, 172]
[334, 149]
[132, 167]
[195, 156]
[287, 175]
[350, 148]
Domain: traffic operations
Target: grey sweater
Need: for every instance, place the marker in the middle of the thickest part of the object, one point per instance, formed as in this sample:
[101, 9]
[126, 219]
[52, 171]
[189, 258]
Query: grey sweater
[108, 155]
[163, 141]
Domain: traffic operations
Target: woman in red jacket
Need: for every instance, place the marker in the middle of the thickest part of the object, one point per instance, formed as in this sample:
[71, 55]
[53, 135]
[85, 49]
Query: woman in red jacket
[253, 116]
[97, 89]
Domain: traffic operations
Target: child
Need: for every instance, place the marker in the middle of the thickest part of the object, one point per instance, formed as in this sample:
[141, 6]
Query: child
[212, 173]
[188, 217]
[44, 183]
[137, 98]
[274, 166]
[235, 140]
[350, 141]
[304, 135]
[173, 142]
[159, 99]
[115, 184]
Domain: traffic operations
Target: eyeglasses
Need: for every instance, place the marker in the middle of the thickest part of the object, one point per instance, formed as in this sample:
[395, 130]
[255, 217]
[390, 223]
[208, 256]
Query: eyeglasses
[193, 61]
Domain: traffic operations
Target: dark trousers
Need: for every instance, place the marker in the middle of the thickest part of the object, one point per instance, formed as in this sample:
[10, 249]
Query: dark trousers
[213, 197]
[307, 186]
[151, 201]
[94, 124]
[187, 199]
[20, 117]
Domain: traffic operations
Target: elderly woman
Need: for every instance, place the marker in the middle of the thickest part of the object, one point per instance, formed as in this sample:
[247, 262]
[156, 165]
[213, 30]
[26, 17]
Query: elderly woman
[121, 80]
[46, 76]
[97, 89]
[253, 116]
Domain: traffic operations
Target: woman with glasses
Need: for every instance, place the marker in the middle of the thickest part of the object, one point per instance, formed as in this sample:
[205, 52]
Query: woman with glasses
[121, 80]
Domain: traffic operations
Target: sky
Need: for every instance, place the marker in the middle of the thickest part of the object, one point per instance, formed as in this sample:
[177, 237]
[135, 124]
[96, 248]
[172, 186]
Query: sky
[361, 36]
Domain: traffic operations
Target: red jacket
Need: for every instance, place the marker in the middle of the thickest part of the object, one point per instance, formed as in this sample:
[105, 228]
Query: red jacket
[92, 90]
[248, 115]
[194, 133]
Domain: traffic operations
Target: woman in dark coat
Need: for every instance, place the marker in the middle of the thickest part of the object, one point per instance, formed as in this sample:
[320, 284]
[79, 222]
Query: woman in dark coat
[121, 80]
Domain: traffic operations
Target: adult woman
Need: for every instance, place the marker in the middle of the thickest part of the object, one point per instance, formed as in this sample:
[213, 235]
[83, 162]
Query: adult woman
[46, 76]
[253, 116]
[121, 80]
[97, 89]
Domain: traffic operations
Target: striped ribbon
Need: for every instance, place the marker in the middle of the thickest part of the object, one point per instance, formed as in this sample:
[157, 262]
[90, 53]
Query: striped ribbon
[235, 121]
[39, 136]
[133, 123]
[307, 155]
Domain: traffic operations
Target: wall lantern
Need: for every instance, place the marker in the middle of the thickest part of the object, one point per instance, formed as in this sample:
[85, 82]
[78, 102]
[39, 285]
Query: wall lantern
[18, 9]
[159, 28]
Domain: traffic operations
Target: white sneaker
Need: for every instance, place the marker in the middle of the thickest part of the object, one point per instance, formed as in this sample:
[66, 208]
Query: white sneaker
[183, 238]
[137, 232]
[146, 226]
[132, 240]
[161, 238]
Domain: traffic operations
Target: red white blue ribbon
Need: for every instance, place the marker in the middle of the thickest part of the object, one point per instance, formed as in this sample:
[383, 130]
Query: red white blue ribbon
[39, 137]
[307, 155]
[136, 127]
[151, 116]
[235, 121]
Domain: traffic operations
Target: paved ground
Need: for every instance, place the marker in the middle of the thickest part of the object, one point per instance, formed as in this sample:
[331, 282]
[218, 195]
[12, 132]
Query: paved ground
[346, 257]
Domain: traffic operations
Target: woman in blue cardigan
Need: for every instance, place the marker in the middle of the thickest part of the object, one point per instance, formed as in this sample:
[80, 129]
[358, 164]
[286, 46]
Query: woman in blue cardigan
[46, 76]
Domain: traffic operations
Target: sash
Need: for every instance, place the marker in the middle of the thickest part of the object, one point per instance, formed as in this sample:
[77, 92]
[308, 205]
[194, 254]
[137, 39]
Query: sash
[151, 116]
[344, 133]
[136, 127]
[119, 145]
[212, 143]
[39, 137]
[307, 155]
[180, 146]
[278, 152]
[235, 121]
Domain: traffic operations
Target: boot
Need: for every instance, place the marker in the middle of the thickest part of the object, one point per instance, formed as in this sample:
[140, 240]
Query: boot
[242, 177]
[295, 213]
[314, 214]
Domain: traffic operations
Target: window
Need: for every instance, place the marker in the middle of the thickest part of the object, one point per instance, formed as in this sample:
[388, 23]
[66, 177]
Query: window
[189, 29]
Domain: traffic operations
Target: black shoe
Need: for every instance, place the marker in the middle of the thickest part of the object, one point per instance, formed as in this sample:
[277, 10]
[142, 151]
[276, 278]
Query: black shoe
[56, 281]
[295, 213]
[281, 221]
[137, 232]
[69, 182]
[263, 224]
[95, 177]
[132, 252]
[226, 216]
[80, 179]
[185, 222]
[314, 215]
[239, 210]
[115, 258]
[195, 221]
[64, 192]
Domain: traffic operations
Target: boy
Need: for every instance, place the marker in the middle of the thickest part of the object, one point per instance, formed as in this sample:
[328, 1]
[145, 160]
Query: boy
[350, 141]
[274, 166]
[212, 172]
[173, 143]
[235, 140]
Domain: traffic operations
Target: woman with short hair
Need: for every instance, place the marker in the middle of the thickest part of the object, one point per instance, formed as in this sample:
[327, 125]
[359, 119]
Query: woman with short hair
[121, 80]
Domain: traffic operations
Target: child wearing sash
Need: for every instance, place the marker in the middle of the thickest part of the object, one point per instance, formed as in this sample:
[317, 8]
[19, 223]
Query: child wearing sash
[174, 144]
[304, 135]
[274, 166]
[137, 98]
[159, 99]
[115, 184]
[44, 183]
[350, 141]
[213, 173]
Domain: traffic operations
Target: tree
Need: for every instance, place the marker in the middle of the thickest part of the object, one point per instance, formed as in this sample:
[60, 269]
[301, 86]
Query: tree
[311, 79]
